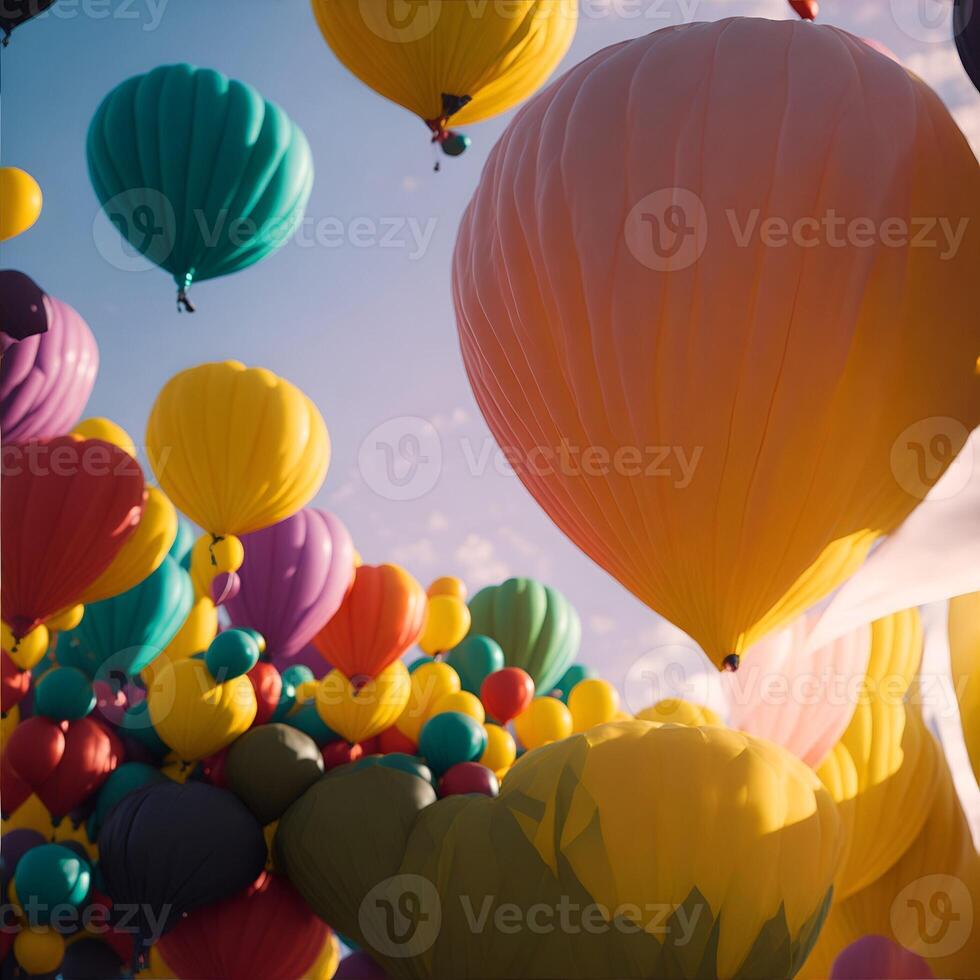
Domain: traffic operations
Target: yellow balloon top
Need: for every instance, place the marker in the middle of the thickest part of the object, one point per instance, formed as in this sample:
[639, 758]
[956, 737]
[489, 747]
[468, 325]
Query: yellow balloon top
[235, 448]
[20, 202]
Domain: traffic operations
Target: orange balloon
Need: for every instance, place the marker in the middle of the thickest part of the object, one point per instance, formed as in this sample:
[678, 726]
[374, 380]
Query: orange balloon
[700, 310]
[381, 617]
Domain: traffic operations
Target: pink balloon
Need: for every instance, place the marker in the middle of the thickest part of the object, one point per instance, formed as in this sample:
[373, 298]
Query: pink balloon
[45, 380]
[294, 577]
[878, 958]
[800, 700]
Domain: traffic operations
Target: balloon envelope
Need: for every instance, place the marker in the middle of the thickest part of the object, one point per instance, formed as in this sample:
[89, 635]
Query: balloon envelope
[15, 12]
[23, 312]
[874, 957]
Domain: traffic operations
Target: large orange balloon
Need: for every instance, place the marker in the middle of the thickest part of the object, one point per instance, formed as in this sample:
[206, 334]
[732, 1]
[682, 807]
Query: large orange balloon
[706, 306]
[381, 617]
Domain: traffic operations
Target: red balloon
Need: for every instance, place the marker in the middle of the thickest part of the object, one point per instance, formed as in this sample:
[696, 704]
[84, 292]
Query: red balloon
[266, 931]
[807, 9]
[92, 751]
[339, 753]
[506, 693]
[14, 683]
[35, 748]
[68, 506]
[392, 740]
[13, 790]
[266, 681]
[213, 768]
[468, 777]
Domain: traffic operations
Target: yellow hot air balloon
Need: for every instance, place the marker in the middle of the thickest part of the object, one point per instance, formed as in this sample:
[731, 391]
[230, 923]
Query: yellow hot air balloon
[428, 684]
[194, 714]
[358, 713]
[236, 449]
[105, 429]
[678, 712]
[67, 619]
[20, 202]
[27, 651]
[450, 62]
[964, 651]
[143, 551]
[718, 416]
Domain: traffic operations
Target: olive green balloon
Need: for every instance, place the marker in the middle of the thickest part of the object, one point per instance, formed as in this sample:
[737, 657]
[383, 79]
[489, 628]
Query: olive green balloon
[535, 625]
[270, 767]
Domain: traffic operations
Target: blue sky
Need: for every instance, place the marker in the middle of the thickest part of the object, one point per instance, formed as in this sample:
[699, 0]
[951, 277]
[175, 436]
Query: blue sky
[357, 311]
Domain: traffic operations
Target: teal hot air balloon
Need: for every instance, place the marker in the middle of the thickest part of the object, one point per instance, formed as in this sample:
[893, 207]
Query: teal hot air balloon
[198, 172]
[536, 626]
[126, 632]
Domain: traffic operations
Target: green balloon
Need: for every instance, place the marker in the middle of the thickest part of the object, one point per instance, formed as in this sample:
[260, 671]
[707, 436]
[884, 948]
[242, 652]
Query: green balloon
[126, 632]
[122, 781]
[411, 764]
[451, 737]
[474, 659]
[536, 626]
[232, 653]
[307, 719]
[198, 171]
[571, 677]
[50, 876]
[296, 675]
[183, 542]
[64, 694]
[270, 767]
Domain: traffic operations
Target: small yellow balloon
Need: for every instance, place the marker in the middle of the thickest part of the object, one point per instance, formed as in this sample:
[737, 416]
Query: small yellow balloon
[210, 558]
[463, 702]
[429, 683]
[358, 713]
[544, 720]
[327, 962]
[20, 202]
[28, 651]
[306, 691]
[143, 551]
[67, 619]
[448, 585]
[677, 712]
[447, 621]
[39, 950]
[501, 751]
[8, 723]
[193, 714]
[108, 431]
[195, 636]
[592, 702]
[30, 815]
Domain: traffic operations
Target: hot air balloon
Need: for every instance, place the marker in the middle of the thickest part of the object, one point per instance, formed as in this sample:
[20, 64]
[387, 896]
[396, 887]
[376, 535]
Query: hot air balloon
[807, 9]
[267, 930]
[361, 709]
[964, 651]
[536, 626]
[683, 404]
[873, 957]
[244, 448]
[448, 62]
[379, 619]
[125, 633]
[23, 312]
[293, 579]
[68, 507]
[198, 172]
[966, 32]
[45, 379]
[15, 12]
[20, 202]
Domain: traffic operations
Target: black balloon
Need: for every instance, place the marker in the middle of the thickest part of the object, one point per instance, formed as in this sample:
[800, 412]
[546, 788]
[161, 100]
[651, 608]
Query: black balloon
[22, 310]
[13, 13]
[169, 848]
[92, 959]
[966, 30]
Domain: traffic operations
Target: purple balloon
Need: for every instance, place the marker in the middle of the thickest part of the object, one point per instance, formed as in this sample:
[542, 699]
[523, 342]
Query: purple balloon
[13, 846]
[225, 586]
[23, 312]
[45, 380]
[359, 966]
[294, 577]
[309, 656]
[879, 958]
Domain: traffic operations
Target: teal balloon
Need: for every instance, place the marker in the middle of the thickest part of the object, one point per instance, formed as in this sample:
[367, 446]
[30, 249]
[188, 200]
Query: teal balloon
[451, 737]
[411, 764]
[419, 662]
[126, 632]
[49, 876]
[122, 781]
[232, 653]
[307, 719]
[183, 543]
[536, 626]
[136, 723]
[197, 171]
[296, 675]
[64, 694]
[571, 677]
[475, 658]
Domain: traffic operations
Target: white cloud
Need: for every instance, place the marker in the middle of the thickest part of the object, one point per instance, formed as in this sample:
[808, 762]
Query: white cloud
[476, 555]
[601, 624]
[438, 521]
[421, 552]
